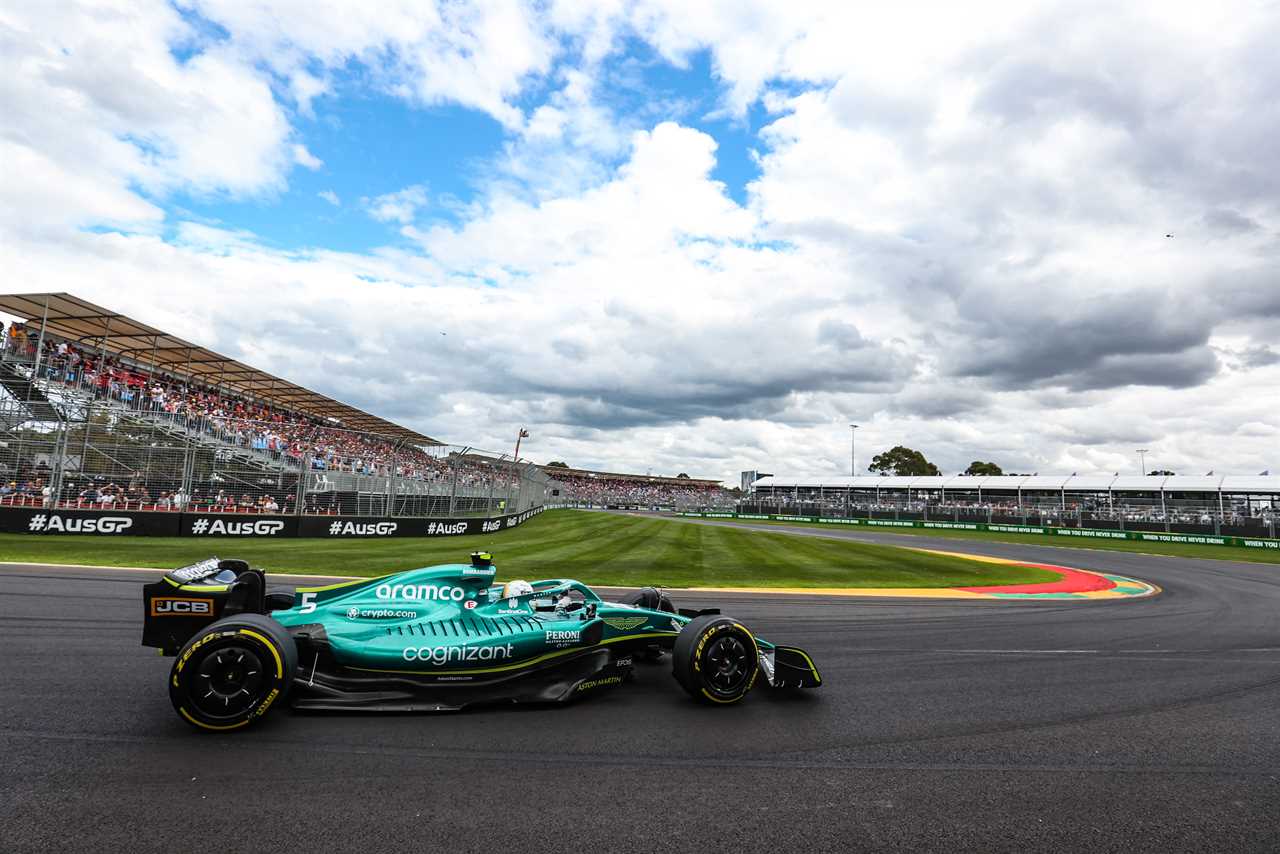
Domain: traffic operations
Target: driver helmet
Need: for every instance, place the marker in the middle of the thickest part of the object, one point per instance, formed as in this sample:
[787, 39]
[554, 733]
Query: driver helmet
[518, 587]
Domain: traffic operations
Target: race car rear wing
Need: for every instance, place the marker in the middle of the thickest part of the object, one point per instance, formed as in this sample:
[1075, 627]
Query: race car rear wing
[191, 597]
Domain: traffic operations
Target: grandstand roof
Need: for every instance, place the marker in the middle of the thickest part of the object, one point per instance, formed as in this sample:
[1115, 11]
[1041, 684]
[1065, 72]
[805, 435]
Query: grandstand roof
[70, 317]
[1266, 484]
[647, 478]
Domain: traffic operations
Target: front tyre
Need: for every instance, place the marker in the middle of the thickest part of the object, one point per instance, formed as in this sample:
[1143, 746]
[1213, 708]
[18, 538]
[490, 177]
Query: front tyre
[715, 659]
[233, 672]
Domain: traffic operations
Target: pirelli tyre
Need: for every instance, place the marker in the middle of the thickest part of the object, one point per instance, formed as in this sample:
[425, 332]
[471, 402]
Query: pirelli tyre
[233, 672]
[715, 659]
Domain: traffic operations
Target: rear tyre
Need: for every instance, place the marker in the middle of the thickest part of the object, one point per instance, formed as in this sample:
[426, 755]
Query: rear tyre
[715, 659]
[232, 673]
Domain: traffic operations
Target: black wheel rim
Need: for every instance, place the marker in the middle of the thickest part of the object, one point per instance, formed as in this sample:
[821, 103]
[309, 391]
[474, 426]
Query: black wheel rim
[228, 681]
[727, 664]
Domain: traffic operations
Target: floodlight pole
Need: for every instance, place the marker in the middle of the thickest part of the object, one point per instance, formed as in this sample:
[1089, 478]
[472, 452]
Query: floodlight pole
[522, 434]
[1142, 461]
[853, 451]
[511, 486]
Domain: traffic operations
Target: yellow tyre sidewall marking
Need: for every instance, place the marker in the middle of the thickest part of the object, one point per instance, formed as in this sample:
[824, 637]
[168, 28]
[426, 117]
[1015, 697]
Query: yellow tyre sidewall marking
[262, 707]
[204, 725]
[270, 646]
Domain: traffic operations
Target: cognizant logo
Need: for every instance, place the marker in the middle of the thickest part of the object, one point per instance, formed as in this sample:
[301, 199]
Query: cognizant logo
[446, 654]
[421, 592]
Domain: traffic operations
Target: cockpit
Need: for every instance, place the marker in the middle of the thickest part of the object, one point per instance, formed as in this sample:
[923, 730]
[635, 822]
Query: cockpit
[561, 598]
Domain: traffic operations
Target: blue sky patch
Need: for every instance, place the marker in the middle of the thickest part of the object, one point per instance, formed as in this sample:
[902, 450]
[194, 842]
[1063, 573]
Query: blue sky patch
[373, 143]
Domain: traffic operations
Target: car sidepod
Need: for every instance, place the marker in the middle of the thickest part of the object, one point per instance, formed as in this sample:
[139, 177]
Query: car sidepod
[325, 684]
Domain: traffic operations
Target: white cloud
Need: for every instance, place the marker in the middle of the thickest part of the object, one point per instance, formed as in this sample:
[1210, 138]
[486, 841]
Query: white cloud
[305, 158]
[957, 236]
[97, 109]
[475, 54]
[331, 197]
[401, 206]
[566, 142]
[662, 196]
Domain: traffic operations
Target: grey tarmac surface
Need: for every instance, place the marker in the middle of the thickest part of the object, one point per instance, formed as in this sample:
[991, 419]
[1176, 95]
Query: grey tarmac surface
[1146, 725]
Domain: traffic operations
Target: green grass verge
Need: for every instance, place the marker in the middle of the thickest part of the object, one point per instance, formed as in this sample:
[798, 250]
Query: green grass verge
[1139, 546]
[596, 548]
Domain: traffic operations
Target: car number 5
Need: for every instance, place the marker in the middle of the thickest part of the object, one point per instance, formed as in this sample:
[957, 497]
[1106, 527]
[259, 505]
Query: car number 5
[308, 603]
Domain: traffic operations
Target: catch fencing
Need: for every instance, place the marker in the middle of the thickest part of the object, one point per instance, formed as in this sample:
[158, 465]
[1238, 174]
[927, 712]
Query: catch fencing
[1123, 516]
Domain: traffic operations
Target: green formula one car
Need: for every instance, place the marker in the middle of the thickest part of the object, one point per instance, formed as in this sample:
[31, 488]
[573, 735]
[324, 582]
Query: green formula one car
[432, 639]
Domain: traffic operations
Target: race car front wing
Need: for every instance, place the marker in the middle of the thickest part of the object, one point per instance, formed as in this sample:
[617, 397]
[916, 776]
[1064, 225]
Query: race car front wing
[789, 667]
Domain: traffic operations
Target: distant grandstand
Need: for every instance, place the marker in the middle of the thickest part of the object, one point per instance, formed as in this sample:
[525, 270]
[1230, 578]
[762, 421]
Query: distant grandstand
[586, 488]
[1238, 505]
[99, 410]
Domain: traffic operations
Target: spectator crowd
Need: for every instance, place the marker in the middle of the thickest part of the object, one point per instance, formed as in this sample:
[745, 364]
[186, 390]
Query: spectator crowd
[1041, 512]
[303, 441]
[635, 490]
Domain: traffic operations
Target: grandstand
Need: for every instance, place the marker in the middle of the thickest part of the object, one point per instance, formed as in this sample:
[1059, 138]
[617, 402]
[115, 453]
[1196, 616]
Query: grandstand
[572, 487]
[1235, 505]
[98, 409]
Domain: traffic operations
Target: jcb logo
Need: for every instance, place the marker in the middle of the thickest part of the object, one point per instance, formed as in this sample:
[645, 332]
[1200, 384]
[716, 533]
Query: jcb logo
[168, 606]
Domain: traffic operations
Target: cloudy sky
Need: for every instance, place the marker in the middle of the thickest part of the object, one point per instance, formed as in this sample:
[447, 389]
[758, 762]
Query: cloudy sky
[684, 237]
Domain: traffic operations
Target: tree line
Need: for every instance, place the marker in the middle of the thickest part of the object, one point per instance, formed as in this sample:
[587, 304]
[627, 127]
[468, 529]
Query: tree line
[908, 462]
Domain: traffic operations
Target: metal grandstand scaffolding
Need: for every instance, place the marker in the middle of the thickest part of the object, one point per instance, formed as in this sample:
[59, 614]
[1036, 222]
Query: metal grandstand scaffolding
[96, 410]
[1235, 505]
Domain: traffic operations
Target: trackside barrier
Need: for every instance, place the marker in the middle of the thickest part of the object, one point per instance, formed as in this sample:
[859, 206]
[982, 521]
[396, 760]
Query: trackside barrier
[1145, 536]
[29, 520]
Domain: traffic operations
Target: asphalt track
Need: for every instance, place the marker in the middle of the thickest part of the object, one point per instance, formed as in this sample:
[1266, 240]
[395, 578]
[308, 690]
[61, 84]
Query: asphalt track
[1140, 725]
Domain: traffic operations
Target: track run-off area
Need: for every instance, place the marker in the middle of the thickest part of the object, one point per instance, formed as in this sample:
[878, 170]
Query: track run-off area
[1067, 583]
[1142, 723]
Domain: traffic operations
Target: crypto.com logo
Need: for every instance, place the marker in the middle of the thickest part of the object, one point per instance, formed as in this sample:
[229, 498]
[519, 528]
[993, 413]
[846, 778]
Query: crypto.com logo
[354, 613]
[100, 525]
